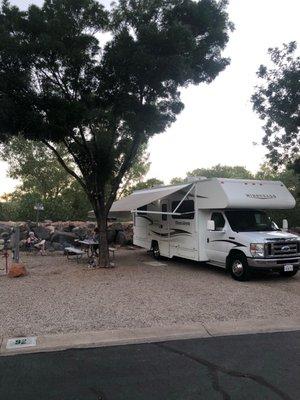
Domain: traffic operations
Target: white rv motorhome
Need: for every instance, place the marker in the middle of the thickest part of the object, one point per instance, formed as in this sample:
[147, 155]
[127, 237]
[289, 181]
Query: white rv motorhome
[219, 221]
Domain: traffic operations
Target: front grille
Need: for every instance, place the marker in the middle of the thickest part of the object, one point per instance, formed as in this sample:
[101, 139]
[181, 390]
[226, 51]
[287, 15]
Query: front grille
[282, 248]
[285, 261]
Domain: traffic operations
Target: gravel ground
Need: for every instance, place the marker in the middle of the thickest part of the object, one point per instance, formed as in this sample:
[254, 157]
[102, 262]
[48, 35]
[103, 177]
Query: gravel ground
[63, 296]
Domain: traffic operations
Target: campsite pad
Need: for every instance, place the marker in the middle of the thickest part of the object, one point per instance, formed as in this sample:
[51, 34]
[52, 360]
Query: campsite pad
[155, 264]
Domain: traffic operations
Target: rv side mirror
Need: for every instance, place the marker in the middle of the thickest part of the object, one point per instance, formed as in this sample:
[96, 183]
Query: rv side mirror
[211, 225]
[285, 225]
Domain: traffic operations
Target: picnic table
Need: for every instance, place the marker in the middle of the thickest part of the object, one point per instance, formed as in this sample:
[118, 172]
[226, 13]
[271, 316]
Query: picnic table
[87, 245]
[86, 248]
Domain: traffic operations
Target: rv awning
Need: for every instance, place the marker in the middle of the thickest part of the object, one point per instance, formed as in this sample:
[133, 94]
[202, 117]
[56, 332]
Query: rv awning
[143, 197]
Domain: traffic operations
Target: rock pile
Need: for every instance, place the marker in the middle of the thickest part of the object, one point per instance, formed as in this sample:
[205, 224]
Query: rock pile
[59, 235]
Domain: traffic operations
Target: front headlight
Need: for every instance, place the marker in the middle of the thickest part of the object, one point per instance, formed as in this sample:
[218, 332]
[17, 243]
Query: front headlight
[257, 249]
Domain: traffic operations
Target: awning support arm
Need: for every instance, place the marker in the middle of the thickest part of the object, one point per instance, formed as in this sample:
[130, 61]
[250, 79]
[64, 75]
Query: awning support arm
[154, 212]
[182, 200]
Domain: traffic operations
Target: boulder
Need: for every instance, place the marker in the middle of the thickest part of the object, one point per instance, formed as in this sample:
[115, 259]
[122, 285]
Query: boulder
[23, 244]
[69, 227]
[24, 230]
[23, 227]
[57, 247]
[111, 236]
[120, 238]
[60, 234]
[116, 226]
[63, 237]
[5, 236]
[31, 225]
[16, 270]
[41, 232]
[81, 232]
[113, 233]
[4, 228]
[23, 235]
[50, 228]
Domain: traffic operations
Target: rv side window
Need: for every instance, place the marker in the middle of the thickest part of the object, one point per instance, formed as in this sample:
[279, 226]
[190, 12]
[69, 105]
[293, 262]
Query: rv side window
[219, 220]
[143, 208]
[164, 208]
[186, 208]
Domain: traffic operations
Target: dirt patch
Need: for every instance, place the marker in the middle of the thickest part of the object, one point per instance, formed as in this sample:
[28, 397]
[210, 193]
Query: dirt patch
[66, 296]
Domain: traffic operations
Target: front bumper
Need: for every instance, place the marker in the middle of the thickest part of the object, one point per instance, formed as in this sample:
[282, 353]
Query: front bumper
[272, 264]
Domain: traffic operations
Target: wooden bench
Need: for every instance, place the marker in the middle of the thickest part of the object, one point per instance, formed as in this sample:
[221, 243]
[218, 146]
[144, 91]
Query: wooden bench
[73, 251]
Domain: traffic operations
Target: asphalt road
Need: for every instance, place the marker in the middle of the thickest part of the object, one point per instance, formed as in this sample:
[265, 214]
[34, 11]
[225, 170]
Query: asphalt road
[252, 367]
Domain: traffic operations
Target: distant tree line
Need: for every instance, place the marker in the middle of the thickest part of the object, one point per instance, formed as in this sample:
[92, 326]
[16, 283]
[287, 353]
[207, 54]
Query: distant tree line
[43, 180]
[285, 175]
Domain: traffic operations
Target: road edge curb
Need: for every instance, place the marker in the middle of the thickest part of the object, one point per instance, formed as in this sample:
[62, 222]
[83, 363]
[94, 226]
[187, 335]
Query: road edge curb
[118, 337]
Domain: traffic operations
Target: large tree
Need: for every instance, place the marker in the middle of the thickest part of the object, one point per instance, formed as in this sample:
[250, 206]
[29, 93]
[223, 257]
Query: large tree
[63, 82]
[42, 179]
[291, 181]
[277, 100]
[36, 167]
[147, 184]
[217, 171]
[140, 167]
[222, 171]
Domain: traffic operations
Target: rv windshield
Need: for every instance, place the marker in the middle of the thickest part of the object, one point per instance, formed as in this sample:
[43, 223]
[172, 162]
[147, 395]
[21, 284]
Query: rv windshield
[250, 221]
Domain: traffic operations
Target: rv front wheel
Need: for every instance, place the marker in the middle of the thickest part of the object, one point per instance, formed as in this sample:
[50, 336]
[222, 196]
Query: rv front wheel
[155, 250]
[239, 269]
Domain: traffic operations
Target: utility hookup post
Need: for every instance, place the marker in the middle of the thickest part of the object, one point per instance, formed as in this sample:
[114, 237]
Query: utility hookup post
[16, 244]
[38, 207]
[4, 243]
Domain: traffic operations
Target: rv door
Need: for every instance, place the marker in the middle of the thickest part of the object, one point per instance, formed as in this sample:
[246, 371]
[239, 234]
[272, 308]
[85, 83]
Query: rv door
[216, 243]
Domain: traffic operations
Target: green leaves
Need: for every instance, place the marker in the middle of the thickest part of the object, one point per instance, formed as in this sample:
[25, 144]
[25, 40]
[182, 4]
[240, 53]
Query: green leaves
[277, 101]
[100, 83]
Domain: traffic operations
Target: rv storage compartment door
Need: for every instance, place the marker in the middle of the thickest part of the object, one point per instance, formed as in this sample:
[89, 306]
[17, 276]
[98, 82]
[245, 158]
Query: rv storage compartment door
[183, 239]
[164, 240]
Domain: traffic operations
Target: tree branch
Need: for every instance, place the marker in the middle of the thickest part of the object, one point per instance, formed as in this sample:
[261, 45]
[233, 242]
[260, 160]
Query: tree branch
[64, 165]
[124, 167]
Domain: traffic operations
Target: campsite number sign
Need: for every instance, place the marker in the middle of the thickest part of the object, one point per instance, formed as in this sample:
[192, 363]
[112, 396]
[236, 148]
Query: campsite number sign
[21, 342]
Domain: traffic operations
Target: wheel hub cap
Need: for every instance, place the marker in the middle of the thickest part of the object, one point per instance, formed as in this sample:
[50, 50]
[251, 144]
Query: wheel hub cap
[237, 268]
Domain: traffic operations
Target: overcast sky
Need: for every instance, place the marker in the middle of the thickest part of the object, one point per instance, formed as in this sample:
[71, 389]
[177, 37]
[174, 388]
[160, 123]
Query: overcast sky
[218, 124]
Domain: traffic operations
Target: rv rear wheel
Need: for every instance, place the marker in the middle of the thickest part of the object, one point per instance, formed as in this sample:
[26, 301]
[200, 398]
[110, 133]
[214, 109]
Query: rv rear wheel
[238, 267]
[155, 250]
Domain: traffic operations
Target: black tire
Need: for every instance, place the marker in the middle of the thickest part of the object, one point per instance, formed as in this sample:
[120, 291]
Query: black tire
[238, 267]
[288, 274]
[155, 251]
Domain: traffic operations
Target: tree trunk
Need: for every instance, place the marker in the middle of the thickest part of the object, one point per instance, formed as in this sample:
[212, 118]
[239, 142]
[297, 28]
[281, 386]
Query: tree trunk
[101, 218]
[103, 246]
